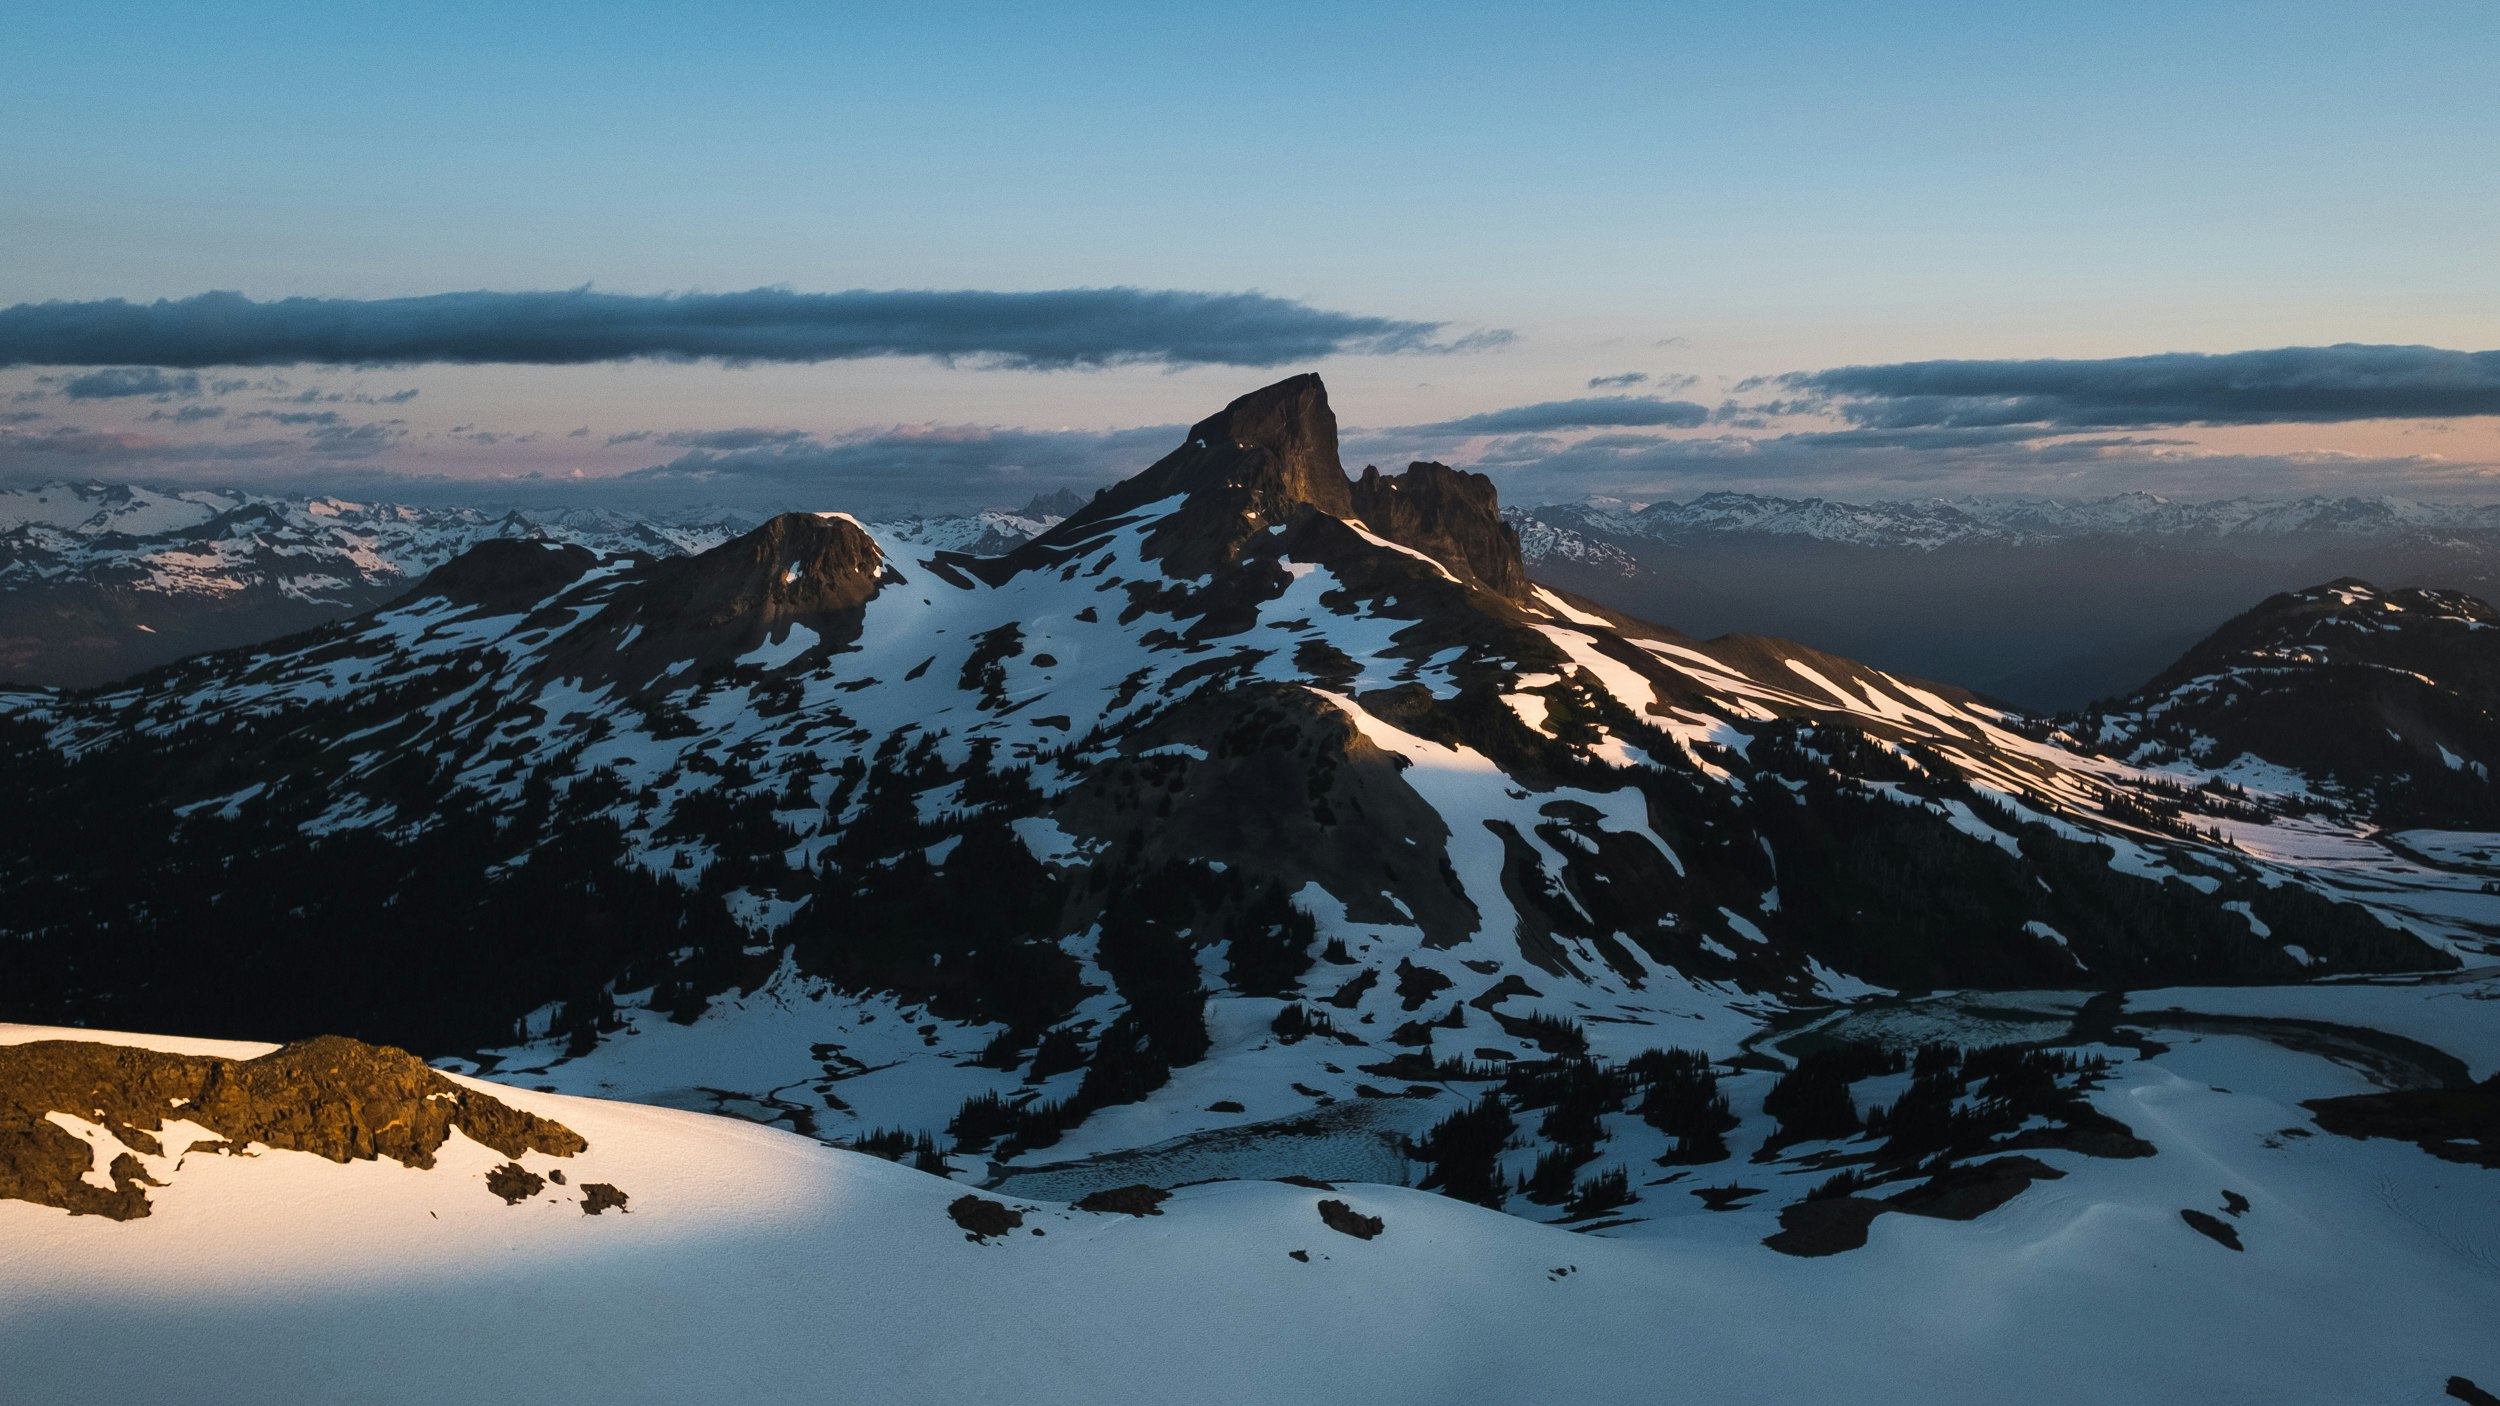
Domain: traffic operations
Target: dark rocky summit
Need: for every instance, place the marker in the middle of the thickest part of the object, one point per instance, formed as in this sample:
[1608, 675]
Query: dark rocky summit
[2390, 697]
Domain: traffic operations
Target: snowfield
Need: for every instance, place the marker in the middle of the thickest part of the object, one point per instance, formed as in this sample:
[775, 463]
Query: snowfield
[757, 1265]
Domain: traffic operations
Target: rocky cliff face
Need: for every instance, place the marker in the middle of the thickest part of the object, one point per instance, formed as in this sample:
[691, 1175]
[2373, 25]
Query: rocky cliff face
[1449, 515]
[1268, 459]
[509, 574]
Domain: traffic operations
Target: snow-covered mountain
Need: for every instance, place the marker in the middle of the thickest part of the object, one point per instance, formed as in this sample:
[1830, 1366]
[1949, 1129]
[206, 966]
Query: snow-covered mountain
[1252, 817]
[100, 580]
[1253, 822]
[317, 550]
[2047, 603]
[1928, 523]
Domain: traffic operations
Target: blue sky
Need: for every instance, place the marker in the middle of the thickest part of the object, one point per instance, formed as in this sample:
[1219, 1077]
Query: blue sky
[1702, 195]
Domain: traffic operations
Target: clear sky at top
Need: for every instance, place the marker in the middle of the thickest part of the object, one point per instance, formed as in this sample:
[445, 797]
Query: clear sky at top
[1760, 187]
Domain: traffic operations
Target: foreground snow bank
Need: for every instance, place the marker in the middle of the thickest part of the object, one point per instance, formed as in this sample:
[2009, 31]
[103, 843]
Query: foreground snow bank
[756, 1265]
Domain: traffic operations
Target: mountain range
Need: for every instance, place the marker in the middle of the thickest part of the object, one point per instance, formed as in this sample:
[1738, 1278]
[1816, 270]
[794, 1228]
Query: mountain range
[1189, 916]
[2049, 604]
[1251, 794]
[101, 580]
[1930, 523]
[2046, 603]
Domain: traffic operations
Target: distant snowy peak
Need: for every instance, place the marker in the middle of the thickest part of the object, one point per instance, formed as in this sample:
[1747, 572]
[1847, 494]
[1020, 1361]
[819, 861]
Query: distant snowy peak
[101, 580]
[989, 532]
[314, 550]
[1929, 523]
[333, 550]
[1542, 539]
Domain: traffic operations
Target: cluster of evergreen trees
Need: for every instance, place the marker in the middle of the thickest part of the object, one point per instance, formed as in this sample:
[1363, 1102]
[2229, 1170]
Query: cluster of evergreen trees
[1148, 945]
[1675, 1091]
[1960, 1103]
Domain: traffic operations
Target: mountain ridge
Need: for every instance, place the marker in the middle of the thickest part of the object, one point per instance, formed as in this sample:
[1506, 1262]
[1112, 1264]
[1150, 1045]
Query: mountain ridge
[1150, 829]
[1929, 523]
[100, 580]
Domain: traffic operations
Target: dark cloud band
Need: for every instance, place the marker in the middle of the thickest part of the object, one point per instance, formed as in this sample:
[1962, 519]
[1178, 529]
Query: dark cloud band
[1067, 328]
[2284, 386]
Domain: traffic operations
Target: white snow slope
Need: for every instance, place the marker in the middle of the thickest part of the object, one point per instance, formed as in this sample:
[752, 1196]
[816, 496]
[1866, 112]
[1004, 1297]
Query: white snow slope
[758, 1266]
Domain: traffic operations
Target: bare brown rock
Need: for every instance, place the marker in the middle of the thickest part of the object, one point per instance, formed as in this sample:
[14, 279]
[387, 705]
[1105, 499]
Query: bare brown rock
[337, 1098]
[1126, 1200]
[796, 570]
[1267, 459]
[1346, 1220]
[2460, 1124]
[515, 1183]
[508, 573]
[1830, 1225]
[983, 1218]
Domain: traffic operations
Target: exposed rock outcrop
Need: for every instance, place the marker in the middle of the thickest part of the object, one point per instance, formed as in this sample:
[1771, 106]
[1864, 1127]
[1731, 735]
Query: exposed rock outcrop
[1449, 515]
[334, 1097]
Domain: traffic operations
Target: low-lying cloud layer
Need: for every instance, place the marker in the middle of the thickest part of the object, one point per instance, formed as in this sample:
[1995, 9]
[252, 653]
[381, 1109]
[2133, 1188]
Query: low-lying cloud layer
[1587, 413]
[2086, 428]
[2288, 385]
[1881, 464]
[1080, 327]
[924, 467]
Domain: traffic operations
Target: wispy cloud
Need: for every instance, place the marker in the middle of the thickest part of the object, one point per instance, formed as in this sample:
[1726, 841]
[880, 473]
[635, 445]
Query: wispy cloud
[72, 451]
[1081, 327]
[735, 437]
[292, 417]
[1588, 413]
[117, 382]
[923, 466]
[2282, 386]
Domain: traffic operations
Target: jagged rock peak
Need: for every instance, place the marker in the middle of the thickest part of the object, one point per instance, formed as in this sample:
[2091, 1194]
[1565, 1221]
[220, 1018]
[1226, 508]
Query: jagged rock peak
[1057, 503]
[796, 564]
[1268, 460]
[1267, 453]
[1290, 426]
[1450, 515]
